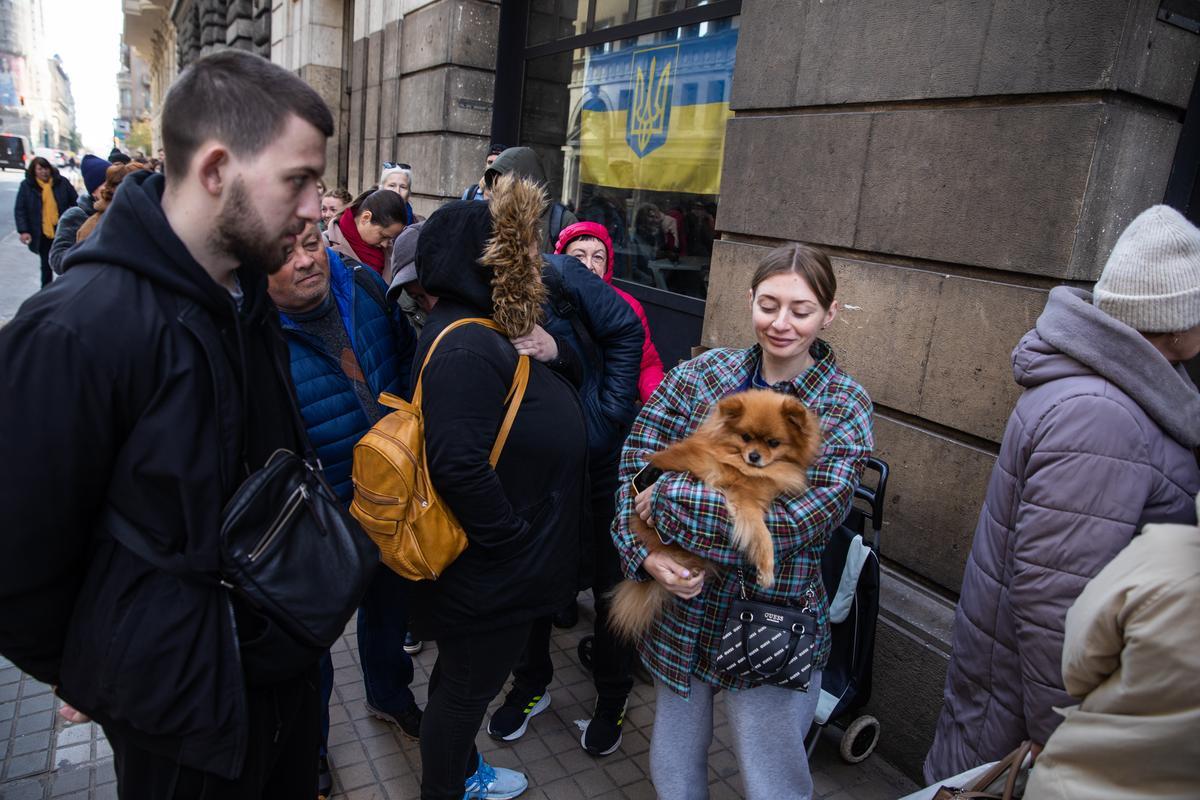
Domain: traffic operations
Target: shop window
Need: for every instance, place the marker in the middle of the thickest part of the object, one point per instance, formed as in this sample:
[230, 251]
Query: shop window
[632, 133]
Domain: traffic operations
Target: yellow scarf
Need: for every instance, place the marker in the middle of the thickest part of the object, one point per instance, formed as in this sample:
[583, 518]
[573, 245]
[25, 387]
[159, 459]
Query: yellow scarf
[49, 209]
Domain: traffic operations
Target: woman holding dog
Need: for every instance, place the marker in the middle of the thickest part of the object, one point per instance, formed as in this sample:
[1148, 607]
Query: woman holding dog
[791, 302]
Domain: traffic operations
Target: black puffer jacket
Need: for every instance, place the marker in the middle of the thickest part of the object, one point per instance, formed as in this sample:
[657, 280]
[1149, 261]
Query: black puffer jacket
[603, 329]
[522, 519]
[131, 386]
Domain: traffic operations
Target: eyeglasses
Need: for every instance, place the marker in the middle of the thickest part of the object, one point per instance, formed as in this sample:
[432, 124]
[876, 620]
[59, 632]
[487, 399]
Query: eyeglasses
[396, 165]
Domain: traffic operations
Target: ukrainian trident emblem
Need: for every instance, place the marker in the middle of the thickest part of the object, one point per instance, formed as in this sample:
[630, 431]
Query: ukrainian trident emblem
[650, 107]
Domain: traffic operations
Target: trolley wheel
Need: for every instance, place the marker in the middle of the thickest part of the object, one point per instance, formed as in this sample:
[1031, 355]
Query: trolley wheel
[584, 651]
[860, 739]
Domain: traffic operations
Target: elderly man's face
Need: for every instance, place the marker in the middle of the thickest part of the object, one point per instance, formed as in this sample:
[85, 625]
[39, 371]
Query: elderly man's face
[302, 283]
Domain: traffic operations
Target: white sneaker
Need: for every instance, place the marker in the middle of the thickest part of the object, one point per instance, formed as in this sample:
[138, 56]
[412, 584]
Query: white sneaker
[494, 783]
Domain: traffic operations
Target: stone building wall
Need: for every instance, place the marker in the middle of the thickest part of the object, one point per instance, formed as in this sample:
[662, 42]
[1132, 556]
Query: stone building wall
[958, 160]
[205, 26]
[421, 88]
[409, 81]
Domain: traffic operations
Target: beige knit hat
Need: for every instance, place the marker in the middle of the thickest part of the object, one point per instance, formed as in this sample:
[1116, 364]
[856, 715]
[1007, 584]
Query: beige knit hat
[1152, 279]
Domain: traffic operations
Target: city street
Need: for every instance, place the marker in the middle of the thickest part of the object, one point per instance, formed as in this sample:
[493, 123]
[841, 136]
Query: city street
[19, 276]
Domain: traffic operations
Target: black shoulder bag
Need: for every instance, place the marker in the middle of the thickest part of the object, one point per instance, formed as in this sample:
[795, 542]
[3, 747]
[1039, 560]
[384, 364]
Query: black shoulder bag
[292, 552]
[287, 547]
[290, 549]
[769, 643]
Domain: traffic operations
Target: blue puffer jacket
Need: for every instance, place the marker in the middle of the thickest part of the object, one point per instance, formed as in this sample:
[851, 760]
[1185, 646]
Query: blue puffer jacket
[384, 345]
[612, 359]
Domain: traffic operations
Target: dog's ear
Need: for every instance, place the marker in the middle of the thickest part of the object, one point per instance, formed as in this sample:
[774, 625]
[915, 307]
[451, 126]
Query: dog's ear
[732, 407]
[797, 415]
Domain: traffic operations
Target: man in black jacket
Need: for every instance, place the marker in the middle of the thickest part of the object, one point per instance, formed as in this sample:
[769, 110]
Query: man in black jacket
[138, 392]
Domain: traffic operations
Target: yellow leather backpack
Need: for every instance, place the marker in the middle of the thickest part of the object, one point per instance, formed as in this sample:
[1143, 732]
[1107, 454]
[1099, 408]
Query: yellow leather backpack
[394, 500]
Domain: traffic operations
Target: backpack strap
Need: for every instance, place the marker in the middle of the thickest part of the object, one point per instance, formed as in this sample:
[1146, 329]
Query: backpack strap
[515, 394]
[566, 310]
[362, 277]
[516, 391]
[556, 219]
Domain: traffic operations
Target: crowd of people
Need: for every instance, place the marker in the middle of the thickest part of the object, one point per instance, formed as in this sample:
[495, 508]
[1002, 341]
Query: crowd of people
[230, 306]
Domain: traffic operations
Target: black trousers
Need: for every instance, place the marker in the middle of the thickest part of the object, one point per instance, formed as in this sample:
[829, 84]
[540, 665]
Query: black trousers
[44, 253]
[285, 723]
[469, 672]
[612, 658]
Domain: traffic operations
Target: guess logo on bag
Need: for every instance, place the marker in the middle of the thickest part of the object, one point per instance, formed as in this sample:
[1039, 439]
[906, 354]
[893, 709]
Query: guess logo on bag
[770, 617]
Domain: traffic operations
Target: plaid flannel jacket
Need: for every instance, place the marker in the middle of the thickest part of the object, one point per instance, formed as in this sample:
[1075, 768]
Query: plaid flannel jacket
[684, 642]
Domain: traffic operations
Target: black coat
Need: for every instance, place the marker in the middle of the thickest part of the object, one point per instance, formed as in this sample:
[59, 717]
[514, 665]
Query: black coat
[609, 348]
[27, 212]
[523, 519]
[134, 386]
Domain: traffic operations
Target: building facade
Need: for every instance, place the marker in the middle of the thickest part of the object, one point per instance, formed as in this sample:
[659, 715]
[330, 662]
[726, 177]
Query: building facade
[957, 160]
[28, 104]
[63, 102]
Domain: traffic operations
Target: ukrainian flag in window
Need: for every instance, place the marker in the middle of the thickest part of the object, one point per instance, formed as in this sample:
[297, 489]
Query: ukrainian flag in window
[653, 115]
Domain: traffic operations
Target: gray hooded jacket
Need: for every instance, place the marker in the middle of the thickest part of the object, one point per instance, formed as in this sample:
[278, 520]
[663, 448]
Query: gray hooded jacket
[523, 161]
[1101, 441]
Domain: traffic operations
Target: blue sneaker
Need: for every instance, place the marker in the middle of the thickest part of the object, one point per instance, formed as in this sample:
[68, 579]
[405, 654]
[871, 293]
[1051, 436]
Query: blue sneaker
[494, 783]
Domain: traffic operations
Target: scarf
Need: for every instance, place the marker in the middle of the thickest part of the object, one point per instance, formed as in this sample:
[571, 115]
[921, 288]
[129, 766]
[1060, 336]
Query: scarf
[368, 254]
[49, 209]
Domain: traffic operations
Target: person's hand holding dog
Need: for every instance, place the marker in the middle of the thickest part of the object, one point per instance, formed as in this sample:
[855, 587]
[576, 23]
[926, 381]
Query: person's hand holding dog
[675, 578]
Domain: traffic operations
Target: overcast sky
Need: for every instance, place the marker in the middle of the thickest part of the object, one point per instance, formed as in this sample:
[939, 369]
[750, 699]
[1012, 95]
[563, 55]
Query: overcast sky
[87, 34]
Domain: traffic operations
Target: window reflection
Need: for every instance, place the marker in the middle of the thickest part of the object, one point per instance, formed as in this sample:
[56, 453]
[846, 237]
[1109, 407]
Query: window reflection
[632, 133]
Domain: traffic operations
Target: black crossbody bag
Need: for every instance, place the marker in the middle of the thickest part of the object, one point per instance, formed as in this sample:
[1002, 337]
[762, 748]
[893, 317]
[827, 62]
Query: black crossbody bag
[769, 643]
[292, 552]
[287, 547]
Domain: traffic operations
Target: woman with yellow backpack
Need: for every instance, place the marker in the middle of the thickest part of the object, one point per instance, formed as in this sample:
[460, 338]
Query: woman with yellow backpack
[522, 517]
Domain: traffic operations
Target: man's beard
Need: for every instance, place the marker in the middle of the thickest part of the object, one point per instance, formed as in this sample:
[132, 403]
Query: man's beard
[241, 233]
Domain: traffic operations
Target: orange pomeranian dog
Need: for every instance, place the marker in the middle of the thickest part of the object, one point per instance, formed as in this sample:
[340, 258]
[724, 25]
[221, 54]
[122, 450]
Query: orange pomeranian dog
[755, 446]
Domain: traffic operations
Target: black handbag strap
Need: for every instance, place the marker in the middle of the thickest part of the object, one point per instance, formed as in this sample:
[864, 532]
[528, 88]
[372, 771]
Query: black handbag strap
[128, 536]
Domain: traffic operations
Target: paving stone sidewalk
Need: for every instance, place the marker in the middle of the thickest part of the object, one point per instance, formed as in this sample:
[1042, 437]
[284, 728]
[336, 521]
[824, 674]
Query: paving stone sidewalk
[41, 757]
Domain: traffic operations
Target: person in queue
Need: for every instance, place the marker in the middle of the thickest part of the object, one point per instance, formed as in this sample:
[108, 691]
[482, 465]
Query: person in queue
[397, 177]
[522, 518]
[333, 203]
[365, 230]
[346, 346]
[1101, 442]
[159, 357]
[791, 301]
[41, 198]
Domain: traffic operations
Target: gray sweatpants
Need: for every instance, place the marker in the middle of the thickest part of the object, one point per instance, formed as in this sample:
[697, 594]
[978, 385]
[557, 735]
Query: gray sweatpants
[768, 725]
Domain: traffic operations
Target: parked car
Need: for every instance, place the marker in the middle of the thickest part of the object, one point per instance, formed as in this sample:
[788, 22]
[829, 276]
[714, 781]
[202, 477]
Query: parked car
[15, 152]
[56, 157]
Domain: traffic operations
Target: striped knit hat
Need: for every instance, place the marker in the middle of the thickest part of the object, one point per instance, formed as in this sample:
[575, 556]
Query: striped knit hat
[1152, 279]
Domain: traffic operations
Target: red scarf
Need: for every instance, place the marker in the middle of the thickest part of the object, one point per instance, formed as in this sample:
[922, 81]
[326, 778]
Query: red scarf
[368, 254]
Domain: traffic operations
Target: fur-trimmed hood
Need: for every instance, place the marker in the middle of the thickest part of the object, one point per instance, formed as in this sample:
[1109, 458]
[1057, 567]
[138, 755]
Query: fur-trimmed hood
[485, 255]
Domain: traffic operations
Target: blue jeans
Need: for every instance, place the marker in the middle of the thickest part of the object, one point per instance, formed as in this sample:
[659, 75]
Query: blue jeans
[387, 669]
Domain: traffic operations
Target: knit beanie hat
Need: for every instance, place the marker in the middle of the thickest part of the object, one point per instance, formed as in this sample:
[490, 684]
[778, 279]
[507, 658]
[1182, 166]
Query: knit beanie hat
[117, 157]
[1152, 279]
[93, 169]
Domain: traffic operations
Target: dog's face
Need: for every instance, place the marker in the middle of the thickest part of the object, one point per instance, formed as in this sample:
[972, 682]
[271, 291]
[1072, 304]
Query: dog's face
[766, 427]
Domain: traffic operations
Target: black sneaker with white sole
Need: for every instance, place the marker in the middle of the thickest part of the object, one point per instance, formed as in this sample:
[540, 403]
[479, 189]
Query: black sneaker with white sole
[512, 719]
[602, 736]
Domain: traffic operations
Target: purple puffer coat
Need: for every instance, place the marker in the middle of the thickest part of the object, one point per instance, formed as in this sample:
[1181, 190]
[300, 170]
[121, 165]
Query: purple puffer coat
[1100, 442]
